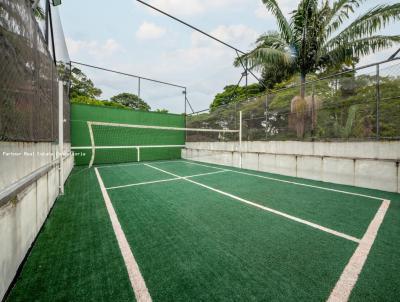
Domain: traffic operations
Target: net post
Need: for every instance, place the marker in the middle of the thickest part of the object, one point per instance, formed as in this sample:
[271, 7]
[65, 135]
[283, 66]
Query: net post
[240, 139]
[185, 104]
[91, 143]
[61, 134]
[184, 92]
[138, 153]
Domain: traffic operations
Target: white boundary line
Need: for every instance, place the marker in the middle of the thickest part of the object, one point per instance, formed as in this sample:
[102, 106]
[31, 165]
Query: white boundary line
[311, 224]
[350, 274]
[162, 180]
[92, 144]
[137, 282]
[291, 182]
[142, 183]
[349, 277]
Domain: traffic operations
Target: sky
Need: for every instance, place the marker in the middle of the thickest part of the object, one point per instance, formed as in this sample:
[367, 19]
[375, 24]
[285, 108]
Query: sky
[125, 35]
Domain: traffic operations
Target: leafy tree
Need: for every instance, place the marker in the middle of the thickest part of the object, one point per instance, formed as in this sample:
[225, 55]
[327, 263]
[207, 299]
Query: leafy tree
[273, 74]
[230, 93]
[89, 101]
[321, 35]
[131, 100]
[83, 91]
[162, 110]
[346, 108]
[233, 93]
[81, 85]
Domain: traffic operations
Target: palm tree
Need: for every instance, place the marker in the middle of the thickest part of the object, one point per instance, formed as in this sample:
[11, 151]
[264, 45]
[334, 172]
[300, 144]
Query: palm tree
[316, 39]
[38, 11]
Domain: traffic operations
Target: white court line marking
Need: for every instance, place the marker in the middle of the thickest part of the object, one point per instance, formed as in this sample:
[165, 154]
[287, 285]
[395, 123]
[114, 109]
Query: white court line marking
[137, 282]
[162, 180]
[311, 224]
[349, 277]
[293, 182]
[350, 274]
[142, 183]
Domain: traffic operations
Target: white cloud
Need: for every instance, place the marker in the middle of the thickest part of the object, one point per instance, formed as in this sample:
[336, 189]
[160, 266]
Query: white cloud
[206, 56]
[180, 7]
[232, 33]
[209, 63]
[287, 6]
[240, 35]
[110, 47]
[193, 7]
[205, 66]
[98, 49]
[261, 11]
[148, 31]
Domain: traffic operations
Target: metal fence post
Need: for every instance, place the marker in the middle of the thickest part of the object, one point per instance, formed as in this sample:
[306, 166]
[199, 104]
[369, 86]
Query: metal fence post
[378, 99]
[185, 116]
[139, 87]
[61, 133]
[266, 116]
[185, 104]
[240, 138]
[313, 114]
[236, 113]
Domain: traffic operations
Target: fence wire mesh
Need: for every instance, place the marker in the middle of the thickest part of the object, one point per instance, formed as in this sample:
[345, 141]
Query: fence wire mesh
[362, 104]
[28, 78]
[224, 118]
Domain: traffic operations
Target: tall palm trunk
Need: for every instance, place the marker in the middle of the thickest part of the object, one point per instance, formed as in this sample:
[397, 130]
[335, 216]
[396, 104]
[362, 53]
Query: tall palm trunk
[299, 108]
[302, 85]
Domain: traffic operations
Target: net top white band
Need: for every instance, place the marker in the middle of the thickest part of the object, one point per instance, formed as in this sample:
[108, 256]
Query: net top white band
[127, 147]
[162, 127]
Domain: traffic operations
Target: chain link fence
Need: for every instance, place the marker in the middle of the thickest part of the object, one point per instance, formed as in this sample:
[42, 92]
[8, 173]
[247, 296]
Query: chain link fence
[361, 104]
[28, 78]
[224, 118]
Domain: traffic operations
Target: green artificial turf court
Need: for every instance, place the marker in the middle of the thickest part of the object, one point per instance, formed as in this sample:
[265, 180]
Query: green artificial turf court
[203, 232]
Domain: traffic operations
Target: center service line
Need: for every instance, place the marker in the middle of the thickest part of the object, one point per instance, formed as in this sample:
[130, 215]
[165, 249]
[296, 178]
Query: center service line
[311, 224]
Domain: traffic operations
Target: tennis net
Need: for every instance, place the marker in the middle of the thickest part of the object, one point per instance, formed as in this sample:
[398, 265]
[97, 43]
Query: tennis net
[119, 143]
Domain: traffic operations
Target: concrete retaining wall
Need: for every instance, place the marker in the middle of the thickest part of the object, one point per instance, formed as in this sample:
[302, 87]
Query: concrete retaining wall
[372, 165]
[22, 217]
